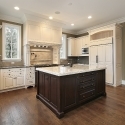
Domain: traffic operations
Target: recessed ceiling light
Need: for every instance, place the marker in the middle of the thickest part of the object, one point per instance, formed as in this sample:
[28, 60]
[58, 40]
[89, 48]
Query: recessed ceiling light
[72, 24]
[89, 17]
[50, 17]
[16, 8]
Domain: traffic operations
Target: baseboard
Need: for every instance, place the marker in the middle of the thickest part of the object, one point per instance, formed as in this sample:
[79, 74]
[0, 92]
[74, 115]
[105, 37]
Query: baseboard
[123, 82]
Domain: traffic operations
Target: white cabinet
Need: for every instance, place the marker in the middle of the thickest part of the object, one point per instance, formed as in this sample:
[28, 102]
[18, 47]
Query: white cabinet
[41, 33]
[75, 45]
[85, 41]
[93, 55]
[101, 56]
[78, 46]
[109, 63]
[29, 76]
[19, 81]
[71, 47]
[11, 78]
[34, 32]
[46, 34]
[56, 35]
[8, 83]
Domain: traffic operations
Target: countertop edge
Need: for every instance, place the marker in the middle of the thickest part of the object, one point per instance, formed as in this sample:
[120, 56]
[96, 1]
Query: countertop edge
[65, 74]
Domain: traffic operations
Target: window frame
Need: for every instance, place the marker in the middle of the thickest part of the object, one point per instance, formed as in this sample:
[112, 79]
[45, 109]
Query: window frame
[4, 42]
[65, 47]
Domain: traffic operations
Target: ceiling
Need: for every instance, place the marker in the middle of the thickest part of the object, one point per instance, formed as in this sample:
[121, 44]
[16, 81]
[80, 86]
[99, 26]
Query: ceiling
[71, 11]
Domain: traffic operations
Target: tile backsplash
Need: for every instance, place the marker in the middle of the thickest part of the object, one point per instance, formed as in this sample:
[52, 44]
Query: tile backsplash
[40, 56]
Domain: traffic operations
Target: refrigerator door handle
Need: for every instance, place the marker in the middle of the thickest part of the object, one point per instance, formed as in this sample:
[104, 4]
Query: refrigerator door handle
[96, 59]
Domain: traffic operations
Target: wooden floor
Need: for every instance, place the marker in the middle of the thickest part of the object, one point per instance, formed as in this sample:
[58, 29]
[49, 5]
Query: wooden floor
[21, 107]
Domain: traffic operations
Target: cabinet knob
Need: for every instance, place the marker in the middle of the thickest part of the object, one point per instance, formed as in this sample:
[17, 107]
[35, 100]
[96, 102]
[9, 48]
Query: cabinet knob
[83, 87]
[83, 96]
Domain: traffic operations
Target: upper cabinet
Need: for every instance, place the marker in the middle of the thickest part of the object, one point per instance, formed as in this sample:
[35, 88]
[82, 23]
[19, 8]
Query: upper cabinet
[34, 32]
[41, 33]
[71, 47]
[75, 45]
[85, 41]
[78, 46]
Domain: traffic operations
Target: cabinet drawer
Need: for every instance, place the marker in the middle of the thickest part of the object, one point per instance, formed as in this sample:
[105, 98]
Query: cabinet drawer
[86, 85]
[87, 79]
[87, 95]
[7, 74]
[86, 74]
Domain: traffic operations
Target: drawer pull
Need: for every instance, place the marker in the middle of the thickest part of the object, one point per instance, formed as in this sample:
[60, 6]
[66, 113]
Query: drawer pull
[83, 96]
[82, 75]
[83, 87]
[92, 73]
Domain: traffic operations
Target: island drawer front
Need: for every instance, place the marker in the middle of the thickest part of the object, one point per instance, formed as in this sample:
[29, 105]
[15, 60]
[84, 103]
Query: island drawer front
[86, 74]
[86, 79]
[86, 95]
[87, 85]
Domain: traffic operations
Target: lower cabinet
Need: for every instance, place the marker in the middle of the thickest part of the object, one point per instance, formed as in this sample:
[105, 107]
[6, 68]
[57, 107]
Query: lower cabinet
[19, 81]
[29, 76]
[62, 93]
[8, 83]
[17, 77]
[69, 91]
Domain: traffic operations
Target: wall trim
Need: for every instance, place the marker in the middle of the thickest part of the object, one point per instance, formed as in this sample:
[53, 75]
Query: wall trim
[123, 82]
[120, 20]
[10, 18]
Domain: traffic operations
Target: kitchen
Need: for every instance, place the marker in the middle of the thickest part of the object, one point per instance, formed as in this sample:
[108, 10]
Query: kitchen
[40, 46]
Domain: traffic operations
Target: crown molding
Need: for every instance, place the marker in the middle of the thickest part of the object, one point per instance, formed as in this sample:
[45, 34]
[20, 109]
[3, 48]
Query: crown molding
[117, 21]
[10, 18]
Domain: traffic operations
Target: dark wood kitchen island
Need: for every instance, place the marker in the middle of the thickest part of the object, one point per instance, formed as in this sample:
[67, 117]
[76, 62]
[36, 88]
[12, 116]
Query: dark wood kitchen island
[65, 88]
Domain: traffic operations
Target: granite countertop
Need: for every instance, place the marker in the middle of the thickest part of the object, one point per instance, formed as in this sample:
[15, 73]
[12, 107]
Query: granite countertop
[66, 70]
[10, 67]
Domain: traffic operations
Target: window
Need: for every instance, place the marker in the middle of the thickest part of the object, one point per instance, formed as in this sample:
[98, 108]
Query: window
[11, 41]
[63, 52]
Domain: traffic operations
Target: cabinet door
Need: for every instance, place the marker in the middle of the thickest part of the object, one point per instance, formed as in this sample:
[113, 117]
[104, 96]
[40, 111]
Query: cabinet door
[56, 36]
[100, 82]
[69, 91]
[101, 55]
[8, 83]
[71, 47]
[19, 81]
[109, 64]
[47, 87]
[78, 46]
[85, 41]
[46, 35]
[40, 87]
[93, 55]
[34, 32]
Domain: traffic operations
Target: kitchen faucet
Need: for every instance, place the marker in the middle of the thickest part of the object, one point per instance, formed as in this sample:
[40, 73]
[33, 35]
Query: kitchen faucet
[70, 63]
